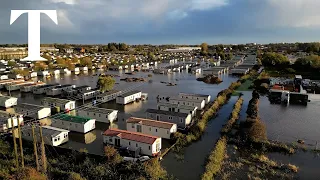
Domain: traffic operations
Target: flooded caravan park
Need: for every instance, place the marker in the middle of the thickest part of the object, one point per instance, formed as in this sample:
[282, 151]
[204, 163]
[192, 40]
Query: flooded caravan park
[283, 123]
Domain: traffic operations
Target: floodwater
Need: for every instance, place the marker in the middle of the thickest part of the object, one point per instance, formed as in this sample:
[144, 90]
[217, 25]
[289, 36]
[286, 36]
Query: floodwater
[193, 164]
[92, 141]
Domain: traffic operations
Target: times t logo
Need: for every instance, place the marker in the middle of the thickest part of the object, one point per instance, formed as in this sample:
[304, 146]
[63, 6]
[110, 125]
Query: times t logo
[33, 30]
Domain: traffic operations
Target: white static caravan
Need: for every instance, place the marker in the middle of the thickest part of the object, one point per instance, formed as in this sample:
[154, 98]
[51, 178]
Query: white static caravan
[82, 89]
[150, 145]
[32, 110]
[43, 73]
[128, 97]
[51, 135]
[200, 103]
[4, 77]
[195, 96]
[8, 101]
[17, 86]
[73, 123]
[108, 96]
[59, 89]
[30, 87]
[99, 114]
[63, 104]
[151, 127]
[89, 94]
[83, 68]
[33, 74]
[5, 120]
[43, 89]
[76, 69]
[177, 108]
[56, 72]
[181, 119]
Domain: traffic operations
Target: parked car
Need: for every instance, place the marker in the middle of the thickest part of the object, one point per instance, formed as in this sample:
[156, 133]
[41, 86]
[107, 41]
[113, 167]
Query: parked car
[140, 159]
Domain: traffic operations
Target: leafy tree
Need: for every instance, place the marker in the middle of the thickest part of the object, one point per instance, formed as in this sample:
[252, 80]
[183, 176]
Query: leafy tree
[75, 60]
[40, 66]
[85, 61]
[204, 48]
[154, 169]
[123, 47]
[275, 60]
[105, 83]
[12, 63]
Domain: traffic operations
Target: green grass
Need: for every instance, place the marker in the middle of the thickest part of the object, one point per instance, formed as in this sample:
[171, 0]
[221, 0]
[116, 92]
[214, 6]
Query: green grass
[245, 86]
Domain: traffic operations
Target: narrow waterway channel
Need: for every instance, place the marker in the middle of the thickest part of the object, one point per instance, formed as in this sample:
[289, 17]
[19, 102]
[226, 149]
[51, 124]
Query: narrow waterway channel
[192, 166]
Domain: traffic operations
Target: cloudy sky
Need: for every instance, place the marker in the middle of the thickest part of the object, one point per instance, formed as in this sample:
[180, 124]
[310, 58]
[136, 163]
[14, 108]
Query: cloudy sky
[166, 21]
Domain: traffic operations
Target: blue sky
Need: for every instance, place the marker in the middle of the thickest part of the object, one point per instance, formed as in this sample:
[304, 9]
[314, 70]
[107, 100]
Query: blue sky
[167, 21]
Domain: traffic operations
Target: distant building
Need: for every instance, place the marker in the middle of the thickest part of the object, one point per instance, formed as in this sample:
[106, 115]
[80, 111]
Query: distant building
[48, 49]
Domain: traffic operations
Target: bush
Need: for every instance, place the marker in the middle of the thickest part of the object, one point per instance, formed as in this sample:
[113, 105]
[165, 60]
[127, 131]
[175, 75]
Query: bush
[215, 160]
[257, 131]
[75, 176]
[290, 71]
[112, 155]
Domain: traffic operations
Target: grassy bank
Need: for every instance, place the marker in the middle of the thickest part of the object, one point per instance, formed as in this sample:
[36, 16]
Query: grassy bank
[234, 116]
[215, 159]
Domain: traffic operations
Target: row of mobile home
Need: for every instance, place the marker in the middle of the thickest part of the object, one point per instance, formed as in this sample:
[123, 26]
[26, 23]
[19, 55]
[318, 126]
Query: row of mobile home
[43, 89]
[30, 87]
[59, 89]
[17, 86]
[9, 81]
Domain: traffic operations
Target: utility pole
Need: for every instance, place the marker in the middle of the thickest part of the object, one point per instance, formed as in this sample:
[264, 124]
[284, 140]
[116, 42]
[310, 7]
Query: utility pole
[20, 143]
[43, 153]
[14, 143]
[35, 149]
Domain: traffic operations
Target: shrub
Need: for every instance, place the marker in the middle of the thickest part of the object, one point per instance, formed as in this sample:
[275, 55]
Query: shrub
[215, 160]
[75, 176]
[257, 131]
[112, 155]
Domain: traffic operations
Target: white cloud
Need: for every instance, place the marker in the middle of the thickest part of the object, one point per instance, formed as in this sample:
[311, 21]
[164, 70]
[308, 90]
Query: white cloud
[207, 4]
[291, 13]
